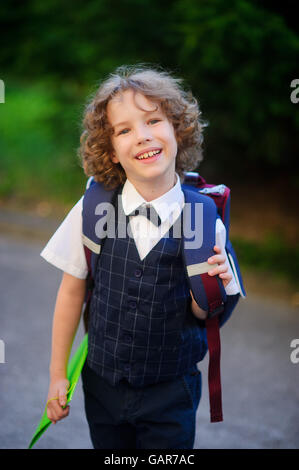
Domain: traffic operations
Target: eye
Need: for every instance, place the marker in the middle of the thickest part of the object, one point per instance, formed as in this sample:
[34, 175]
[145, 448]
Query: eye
[153, 121]
[123, 131]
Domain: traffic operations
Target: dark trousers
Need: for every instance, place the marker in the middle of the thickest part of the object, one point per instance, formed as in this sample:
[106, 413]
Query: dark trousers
[159, 416]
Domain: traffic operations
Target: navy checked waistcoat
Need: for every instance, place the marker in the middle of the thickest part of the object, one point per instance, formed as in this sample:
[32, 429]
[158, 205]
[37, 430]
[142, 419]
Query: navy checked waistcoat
[141, 327]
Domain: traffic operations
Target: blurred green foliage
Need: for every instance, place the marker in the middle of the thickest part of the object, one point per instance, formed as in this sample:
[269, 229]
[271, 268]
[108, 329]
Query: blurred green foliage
[38, 145]
[273, 254]
[238, 58]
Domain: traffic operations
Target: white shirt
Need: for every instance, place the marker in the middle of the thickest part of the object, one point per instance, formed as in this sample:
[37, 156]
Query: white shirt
[65, 249]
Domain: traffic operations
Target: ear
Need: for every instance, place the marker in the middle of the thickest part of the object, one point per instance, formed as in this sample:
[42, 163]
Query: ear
[114, 158]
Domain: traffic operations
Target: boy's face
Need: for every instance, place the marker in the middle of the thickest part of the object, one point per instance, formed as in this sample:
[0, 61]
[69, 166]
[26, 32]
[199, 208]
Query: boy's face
[140, 127]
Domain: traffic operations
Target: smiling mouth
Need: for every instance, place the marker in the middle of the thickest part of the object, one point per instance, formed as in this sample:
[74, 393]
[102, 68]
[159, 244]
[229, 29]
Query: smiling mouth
[148, 155]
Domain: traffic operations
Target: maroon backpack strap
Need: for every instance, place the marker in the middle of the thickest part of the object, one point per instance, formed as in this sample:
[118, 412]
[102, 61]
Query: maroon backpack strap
[214, 298]
[213, 336]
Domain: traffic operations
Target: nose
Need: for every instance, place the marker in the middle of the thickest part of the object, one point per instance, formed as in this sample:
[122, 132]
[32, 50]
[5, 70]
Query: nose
[143, 134]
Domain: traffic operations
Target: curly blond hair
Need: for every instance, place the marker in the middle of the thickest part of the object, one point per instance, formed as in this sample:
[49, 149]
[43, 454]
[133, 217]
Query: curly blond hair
[180, 107]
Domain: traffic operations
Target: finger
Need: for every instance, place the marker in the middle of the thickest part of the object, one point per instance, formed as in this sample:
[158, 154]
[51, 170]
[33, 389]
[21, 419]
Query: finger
[54, 408]
[52, 416]
[217, 249]
[49, 414]
[225, 280]
[57, 416]
[221, 268]
[216, 259]
[226, 276]
[51, 405]
[62, 397]
[66, 411]
[63, 413]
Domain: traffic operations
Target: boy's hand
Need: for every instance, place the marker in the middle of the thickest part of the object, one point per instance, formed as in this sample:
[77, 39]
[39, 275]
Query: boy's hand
[222, 271]
[222, 268]
[56, 404]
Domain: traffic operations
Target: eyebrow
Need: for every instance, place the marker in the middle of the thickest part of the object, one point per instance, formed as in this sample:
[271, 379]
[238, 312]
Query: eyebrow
[124, 123]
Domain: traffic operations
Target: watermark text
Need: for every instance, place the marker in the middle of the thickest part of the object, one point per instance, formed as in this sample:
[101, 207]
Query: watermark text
[2, 91]
[295, 93]
[188, 223]
[295, 353]
[2, 352]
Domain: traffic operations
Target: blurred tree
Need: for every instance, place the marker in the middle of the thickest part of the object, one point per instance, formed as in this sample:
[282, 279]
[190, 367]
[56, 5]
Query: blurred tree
[288, 9]
[238, 57]
[243, 60]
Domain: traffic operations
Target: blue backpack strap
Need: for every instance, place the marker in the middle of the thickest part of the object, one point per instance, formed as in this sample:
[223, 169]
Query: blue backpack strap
[97, 205]
[96, 211]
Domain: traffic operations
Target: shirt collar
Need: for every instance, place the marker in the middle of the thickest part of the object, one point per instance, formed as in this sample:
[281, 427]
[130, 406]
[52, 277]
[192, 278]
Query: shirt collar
[165, 205]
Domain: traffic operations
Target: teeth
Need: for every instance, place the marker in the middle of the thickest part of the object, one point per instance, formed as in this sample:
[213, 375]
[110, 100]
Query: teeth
[147, 155]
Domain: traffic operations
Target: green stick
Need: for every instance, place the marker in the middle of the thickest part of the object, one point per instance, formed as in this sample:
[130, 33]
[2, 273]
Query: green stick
[74, 369]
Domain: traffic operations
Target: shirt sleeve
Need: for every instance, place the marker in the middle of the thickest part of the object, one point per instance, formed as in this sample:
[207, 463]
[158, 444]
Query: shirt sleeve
[65, 249]
[232, 287]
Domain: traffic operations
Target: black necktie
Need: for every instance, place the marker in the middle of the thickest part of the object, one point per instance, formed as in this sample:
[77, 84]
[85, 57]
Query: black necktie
[149, 212]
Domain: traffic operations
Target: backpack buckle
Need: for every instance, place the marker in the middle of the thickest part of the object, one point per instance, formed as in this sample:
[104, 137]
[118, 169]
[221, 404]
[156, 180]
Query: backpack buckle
[219, 189]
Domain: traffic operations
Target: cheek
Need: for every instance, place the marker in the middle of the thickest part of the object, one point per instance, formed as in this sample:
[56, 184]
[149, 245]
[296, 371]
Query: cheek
[174, 135]
[170, 137]
[174, 142]
[116, 150]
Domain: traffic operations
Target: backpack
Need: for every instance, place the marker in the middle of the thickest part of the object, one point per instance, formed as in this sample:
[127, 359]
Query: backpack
[208, 291]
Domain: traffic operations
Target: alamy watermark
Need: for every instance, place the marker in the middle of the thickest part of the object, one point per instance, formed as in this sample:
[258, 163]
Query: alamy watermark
[190, 224]
[2, 91]
[295, 353]
[295, 93]
[2, 352]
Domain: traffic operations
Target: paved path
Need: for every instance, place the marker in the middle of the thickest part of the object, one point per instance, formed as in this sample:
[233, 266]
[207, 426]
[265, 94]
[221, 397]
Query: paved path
[260, 384]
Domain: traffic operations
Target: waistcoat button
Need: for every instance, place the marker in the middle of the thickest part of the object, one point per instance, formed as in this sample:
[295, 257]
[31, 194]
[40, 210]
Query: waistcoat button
[138, 273]
[132, 303]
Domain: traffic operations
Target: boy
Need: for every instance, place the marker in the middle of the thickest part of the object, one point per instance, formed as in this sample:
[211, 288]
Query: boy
[146, 335]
